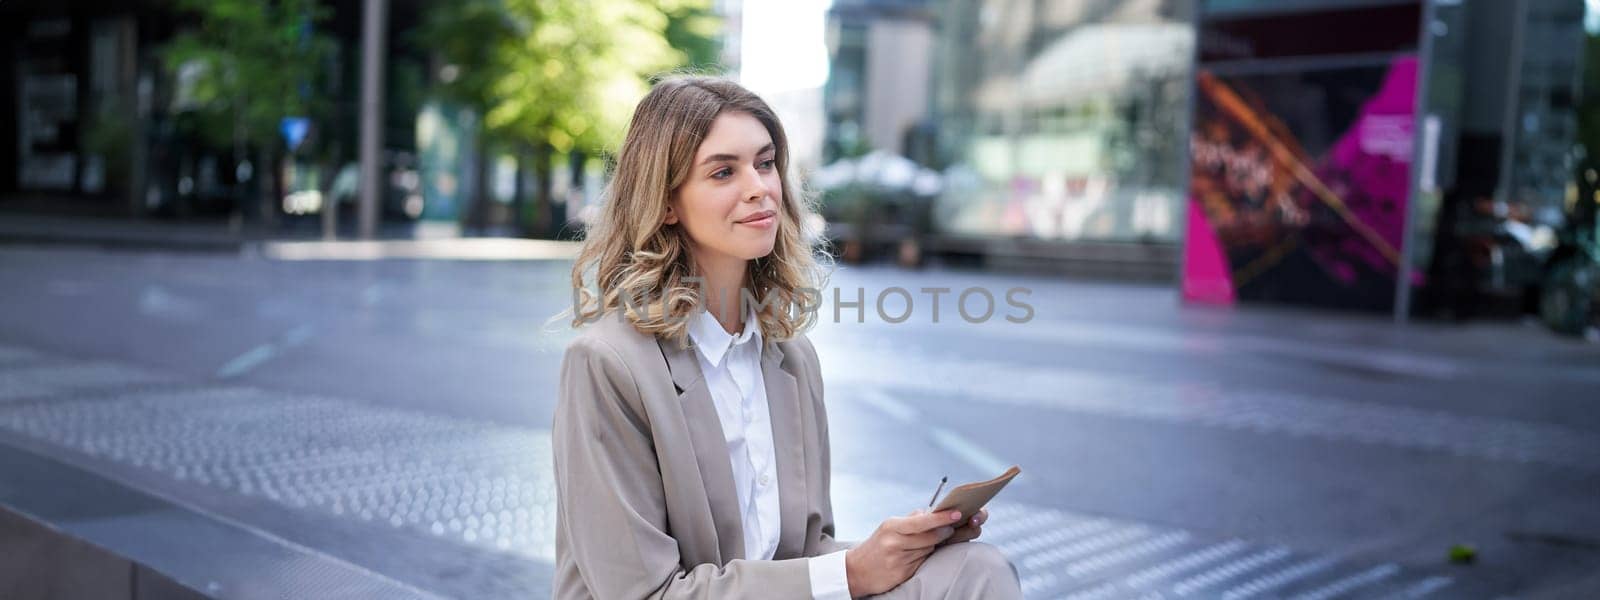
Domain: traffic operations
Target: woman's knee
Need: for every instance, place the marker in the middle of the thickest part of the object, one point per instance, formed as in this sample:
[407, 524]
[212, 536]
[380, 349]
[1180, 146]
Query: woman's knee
[965, 571]
[988, 559]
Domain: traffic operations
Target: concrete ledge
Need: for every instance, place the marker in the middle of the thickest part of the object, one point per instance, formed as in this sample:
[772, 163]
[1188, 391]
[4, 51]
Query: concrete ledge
[1127, 261]
[124, 234]
[66, 533]
[42, 563]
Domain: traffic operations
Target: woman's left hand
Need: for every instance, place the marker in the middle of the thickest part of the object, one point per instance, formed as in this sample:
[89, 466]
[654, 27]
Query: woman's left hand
[971, 530]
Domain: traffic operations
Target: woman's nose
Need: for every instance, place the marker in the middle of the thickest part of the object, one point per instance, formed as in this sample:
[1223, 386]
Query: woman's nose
[756, 188]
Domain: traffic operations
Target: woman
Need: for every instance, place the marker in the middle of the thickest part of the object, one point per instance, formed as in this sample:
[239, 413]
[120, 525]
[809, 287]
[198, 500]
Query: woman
[691, 442]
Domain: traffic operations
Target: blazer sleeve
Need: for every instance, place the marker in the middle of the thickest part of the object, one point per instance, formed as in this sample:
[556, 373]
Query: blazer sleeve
[611, 502]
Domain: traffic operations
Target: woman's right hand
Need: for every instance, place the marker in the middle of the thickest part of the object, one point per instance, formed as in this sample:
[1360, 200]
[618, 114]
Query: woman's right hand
[893, 552]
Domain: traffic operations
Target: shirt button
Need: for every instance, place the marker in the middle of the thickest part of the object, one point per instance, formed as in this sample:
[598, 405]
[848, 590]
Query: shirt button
[765, 479]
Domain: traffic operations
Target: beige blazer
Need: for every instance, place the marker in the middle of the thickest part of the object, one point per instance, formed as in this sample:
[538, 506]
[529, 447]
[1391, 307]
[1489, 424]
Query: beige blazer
[646, 506]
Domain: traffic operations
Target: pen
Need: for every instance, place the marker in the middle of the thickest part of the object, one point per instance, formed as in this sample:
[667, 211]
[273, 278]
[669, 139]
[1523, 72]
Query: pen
[936, 491]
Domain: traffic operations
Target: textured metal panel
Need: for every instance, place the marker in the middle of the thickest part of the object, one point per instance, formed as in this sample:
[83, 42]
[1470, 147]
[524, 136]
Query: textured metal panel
[478, 483]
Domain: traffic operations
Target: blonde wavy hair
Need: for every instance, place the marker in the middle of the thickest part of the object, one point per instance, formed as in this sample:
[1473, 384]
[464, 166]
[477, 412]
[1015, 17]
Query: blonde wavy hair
[630, 254]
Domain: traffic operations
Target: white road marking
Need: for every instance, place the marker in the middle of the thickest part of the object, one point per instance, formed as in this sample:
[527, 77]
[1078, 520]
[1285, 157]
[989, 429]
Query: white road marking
[1187, 563]
[972, 453]
[1280, 578]
[1362, 579]
[889, 405]
[1088, 566]
[968, 451]
[1426, 587]
[1228, 571]
[244, 363]
[1104, 541]
[298, 335]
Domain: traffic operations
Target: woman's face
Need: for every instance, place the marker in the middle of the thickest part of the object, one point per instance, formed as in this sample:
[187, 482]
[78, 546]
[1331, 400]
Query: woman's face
[730, 202]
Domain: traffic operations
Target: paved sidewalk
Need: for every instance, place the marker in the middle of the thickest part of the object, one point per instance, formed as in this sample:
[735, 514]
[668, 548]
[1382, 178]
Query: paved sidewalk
[201, 236]
[422, 240]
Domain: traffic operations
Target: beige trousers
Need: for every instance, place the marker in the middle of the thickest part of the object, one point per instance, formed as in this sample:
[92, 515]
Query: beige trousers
[965, 571]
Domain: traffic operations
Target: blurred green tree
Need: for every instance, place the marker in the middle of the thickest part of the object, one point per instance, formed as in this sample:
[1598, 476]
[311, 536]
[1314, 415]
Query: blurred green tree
[694, 29]
[1584, 209]
[556, 77]
[242, 69]
[1588, 105]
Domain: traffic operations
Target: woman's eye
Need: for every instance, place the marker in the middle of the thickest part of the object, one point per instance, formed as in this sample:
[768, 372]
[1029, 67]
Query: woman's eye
[768, 164]
[722, 173]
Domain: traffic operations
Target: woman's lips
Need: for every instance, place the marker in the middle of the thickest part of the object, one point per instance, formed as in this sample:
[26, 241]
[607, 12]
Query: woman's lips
[763, 219]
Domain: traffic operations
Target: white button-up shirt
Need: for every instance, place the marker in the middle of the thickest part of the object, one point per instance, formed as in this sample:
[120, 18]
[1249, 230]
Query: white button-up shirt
[731, 366]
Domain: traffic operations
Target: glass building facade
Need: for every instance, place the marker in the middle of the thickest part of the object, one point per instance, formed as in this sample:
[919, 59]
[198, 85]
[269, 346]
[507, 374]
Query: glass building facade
[1063, 120]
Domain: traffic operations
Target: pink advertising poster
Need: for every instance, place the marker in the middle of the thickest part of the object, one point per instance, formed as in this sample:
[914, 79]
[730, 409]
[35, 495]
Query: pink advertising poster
[1299, 184]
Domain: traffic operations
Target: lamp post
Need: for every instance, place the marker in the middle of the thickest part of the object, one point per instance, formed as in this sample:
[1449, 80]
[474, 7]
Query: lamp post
[374, 18]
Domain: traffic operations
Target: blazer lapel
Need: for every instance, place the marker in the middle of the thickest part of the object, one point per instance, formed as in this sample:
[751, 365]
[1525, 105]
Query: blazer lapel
[710, 447]
[783, 404]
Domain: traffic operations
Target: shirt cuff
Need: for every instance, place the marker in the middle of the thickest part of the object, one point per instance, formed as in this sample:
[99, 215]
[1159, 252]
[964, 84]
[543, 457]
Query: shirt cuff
[828, 578]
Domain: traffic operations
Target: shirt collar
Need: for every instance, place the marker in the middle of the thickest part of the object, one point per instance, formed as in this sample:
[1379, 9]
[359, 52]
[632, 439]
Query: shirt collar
[713, 341]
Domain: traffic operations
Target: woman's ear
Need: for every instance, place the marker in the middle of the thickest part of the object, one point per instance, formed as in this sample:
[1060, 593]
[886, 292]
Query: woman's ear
[672, 216]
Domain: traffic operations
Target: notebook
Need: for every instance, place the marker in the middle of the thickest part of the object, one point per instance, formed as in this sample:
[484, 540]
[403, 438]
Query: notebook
[970, 497]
